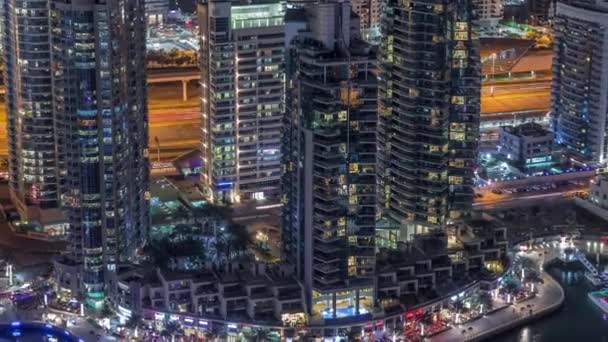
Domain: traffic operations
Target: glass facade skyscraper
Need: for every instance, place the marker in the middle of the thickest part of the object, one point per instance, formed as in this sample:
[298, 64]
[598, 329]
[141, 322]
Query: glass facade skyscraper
[31, 141]
[329, 180]
[428, 116]
[579, 96]
[78, 121]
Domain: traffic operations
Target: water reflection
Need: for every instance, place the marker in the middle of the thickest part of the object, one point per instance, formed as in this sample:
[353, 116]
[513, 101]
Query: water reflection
[578, 320]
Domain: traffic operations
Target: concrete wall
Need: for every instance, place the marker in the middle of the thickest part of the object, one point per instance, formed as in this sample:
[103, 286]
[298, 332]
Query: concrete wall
[592, 208]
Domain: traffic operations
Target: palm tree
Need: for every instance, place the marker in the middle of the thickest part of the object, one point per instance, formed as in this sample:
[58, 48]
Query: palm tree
[213, 215]
[181, 231]
[133, 323]
[221, 248]
[239, 237]
[261, 335]
[171, 329]
[183, 213]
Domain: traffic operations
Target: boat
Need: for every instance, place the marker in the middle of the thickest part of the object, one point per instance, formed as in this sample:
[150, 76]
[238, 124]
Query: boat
[600, 299]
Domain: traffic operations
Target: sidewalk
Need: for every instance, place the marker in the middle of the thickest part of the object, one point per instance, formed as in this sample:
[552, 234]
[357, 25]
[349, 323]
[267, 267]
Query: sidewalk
[550, 297]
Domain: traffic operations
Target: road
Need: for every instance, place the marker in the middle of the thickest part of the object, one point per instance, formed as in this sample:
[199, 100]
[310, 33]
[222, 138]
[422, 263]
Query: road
[491, 200]
[516, 96]
[176, 123]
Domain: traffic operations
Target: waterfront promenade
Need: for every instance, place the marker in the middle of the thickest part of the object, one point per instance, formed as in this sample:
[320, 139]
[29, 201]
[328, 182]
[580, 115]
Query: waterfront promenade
[549, 298]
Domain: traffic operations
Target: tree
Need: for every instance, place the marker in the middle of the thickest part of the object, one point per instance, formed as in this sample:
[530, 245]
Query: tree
[238, 237]
[220, 246]
[486, 299]
[212, 215]
[171, 329]
[133, 321]
[182, 231]
[106, 311]
[261, 335]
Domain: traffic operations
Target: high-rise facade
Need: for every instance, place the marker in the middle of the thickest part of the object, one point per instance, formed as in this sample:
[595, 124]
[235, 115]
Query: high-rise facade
[428, 116]
[77, 112]
[329, 172]
[541, 11]
[369, 12]
[157, 11]
[99, 98]
[31, 142]
[579, 96]
[242, 82]
[489, 12]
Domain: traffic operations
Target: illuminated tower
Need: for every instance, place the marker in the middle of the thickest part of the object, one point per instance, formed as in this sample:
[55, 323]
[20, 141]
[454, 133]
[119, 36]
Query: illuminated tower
[428, 117]
[101, 120]
[329, 187]
[242, 75]
[28, 85]
[579, 96]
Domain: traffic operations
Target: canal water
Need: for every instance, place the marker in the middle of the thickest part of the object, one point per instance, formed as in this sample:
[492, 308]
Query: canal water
[579, 320]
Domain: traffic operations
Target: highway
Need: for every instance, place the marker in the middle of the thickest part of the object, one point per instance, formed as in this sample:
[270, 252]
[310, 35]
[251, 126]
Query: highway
[176, 123]
[516, 96]
[177, 126]
[509, 88]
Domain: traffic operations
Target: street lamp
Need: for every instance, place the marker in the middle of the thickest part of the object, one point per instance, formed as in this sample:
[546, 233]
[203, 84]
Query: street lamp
[493, 72]
[9, 274]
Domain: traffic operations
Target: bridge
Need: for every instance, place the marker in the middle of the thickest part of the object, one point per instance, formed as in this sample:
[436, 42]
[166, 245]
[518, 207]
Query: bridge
[181, 76]
[165, 77]
[588, 265]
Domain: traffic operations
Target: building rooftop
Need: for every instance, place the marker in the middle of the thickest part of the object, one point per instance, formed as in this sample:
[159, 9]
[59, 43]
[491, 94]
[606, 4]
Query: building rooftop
[530, 129]
[295, 15]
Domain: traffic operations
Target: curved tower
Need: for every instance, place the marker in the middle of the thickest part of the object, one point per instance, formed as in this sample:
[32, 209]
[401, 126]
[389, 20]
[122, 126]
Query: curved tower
[428, 117]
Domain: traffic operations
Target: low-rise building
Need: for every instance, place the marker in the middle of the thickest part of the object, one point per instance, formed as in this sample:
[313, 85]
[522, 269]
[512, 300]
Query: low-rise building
[255, 296]
[529, 146]
[598, 191]
[427, 270]
[439, 263]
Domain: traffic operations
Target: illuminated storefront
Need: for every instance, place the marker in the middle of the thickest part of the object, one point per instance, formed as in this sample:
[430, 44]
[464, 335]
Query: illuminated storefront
[343, 303]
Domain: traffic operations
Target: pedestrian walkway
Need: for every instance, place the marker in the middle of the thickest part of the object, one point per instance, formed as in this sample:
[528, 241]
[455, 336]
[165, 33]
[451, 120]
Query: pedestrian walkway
[549, 297]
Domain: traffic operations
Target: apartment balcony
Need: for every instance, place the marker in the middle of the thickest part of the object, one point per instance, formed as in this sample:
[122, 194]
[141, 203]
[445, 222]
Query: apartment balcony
[326, 257]
[326, 269]
[327, 280]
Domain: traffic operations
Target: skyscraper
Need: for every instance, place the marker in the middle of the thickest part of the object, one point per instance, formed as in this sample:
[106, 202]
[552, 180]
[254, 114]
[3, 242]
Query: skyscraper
[428, 116]
[28, 85]
[369, 12]
[77, 117]
[489, 12]
[330, 146]
[541, 11]
[156, 11]
[579, 96]
[242, 75]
